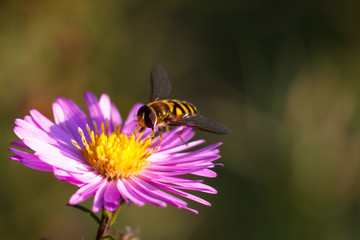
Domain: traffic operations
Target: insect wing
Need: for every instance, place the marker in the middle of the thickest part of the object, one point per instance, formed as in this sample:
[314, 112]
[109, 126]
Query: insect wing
[160, 83]
[205, 124]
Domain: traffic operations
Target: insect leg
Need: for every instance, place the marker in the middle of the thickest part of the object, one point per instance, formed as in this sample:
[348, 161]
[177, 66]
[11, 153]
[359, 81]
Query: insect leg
[160, 133]
[136, 129]
[179, 134]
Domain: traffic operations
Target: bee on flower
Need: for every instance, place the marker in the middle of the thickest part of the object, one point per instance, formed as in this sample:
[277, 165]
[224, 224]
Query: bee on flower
[110, 160]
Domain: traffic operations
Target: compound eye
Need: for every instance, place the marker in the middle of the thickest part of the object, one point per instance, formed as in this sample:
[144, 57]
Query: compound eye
[146, 117]
[150, 118]
[141, 112]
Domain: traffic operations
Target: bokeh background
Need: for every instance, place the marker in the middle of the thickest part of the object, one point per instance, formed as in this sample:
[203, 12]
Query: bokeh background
[283, 75]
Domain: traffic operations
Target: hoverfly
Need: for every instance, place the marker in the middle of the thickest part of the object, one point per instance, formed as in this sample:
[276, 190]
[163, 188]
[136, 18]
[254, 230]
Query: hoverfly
[165, 113]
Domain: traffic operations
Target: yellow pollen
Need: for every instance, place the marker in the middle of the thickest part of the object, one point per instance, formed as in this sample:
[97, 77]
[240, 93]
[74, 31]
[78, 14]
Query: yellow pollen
[115, 155]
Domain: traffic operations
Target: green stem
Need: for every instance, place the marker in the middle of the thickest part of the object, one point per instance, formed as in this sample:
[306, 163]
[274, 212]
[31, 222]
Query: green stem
[107, 220]
[84, 209]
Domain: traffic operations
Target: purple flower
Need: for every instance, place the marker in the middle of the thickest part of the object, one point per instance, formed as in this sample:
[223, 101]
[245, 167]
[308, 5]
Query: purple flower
[109, 159]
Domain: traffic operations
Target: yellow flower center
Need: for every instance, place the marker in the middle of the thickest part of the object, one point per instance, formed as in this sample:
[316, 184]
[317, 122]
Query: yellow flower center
[115, 155]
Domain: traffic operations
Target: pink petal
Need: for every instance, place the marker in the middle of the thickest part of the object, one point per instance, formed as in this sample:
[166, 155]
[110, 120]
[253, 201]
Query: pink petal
[197, 187]
[130, 122]
[85, 192]
[105, 106]
[94, 109]
[181, 147]
[29, 120]
[31, 161]
[192, 210]
[181, 183]
[139, 194]
[99, 196]
[57, 157]
[41, 120]
[15, 158]
[151, 190]
[181, 193]
[111, 197]
[181, 167]
[205, 173]
[50, 128]
[70, 117]
[115, 115]
[86, 177]
[65, 176]
[175, 139]
[19, 144]
[25, 130]
[190, 160]
[127, 195]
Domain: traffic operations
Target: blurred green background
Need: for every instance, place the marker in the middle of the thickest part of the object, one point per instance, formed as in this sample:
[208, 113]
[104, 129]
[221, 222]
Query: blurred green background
[283, 75]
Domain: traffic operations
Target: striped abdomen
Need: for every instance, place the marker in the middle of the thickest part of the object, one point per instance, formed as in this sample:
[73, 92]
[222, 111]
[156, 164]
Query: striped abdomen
[172, 109]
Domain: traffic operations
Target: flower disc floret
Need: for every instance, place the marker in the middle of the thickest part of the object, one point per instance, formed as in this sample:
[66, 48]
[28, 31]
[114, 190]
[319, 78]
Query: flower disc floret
[115, 155]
